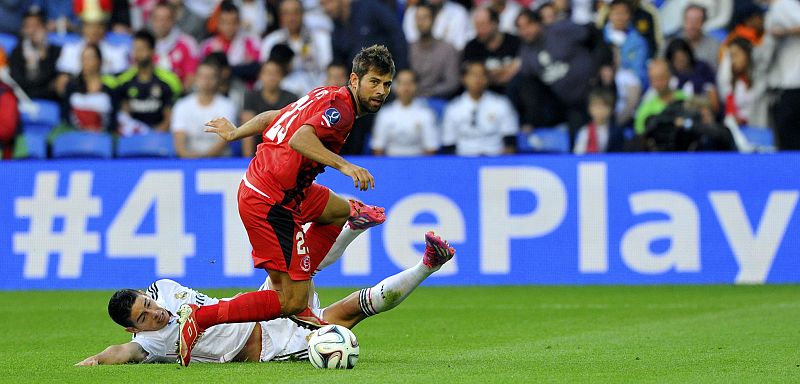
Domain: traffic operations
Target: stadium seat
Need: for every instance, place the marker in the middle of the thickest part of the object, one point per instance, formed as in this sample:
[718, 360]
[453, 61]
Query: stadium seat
[438, 105]
[30, 146]
[762, 139]
[62, 39]
[544, 140]
[154, 144]
[41, 117]
[119, 39]
[83, 144]
[8, 42]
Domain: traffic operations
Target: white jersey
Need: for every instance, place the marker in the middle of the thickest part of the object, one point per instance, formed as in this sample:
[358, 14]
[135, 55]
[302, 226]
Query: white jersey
[281, 339]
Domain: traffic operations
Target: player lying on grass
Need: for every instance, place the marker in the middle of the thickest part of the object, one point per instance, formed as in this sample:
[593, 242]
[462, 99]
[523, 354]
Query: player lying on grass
[153, 318]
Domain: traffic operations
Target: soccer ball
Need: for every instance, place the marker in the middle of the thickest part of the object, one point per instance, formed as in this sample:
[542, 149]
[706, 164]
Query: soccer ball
[334, 347]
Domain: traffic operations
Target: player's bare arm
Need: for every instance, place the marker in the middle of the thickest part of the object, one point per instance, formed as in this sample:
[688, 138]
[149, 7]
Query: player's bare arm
[117, 354]
[229, 132]
[306, 142]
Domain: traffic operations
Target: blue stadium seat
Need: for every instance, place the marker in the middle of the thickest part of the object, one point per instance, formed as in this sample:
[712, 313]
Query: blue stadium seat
[45, 115]
[718, 34]
[60, 40]
[438, 105]
[761, 138]
[154, 144]
[83, 144]
[8, 42]
[119, 39]
[544, 140]
[31, 146]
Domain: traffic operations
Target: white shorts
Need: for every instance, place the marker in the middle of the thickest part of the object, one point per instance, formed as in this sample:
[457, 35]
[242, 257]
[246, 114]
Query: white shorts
[282, 339]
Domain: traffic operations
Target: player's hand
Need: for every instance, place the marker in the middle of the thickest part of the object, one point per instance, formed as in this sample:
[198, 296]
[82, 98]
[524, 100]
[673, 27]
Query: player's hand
[222, 127]
[88, 362]
[362, 179]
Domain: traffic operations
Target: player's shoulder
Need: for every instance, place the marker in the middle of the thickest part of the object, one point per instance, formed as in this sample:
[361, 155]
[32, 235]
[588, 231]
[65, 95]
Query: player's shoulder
[162, 287]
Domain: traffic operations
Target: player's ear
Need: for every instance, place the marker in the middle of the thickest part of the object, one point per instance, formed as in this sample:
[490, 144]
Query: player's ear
[132, 329]
[353, 80]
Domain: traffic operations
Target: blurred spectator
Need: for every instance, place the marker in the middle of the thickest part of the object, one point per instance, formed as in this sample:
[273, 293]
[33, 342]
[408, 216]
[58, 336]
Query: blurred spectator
[228, 85]
[11, 14]
[269, 97]
[479, 122]
[120, 16]
[87, 104]
[229, 39]
[741, 92]
[407, 126]
[497, 50]
[359, 24]
[33, 60]
[619, 32]
[9, 120]
[508, 10]
[748, 23]
[451, 24]
[694, 77]
[717, 14]
[192, 15]
[626, 87]
[175, 51]
[93, 31]
[643, 18]
[146, 92]
[312, 49]
[705, 47]
[336, 75]
[686, 126]
[254, 17]
[660, 96]
[558, 63]
[783, 24]
[594, 136]
[193, 111]
[434, 61]
[141, 11]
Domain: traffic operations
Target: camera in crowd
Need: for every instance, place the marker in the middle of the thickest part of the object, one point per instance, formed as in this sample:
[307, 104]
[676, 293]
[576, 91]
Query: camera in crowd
[687, 126]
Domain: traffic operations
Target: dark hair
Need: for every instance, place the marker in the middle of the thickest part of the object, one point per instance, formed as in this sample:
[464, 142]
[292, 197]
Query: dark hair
[531, 15]
[603, 95]
[96, 49]
[146, 36]
[747, 47]
[425, 5]
[37, 12]
[625, 3]
[280, 65]
[679, 45]
[376, 57]
[216, 59]
[465, 66]
[228, 6]
[696, 6]
[494, 17]
[119, 307]
[410, 71]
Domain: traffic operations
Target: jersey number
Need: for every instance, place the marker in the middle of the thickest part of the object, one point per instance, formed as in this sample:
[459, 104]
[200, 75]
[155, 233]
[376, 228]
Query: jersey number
[278, 131]
[301, 241]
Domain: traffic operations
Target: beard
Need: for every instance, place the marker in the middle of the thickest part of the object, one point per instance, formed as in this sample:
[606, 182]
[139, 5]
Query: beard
[366, 105]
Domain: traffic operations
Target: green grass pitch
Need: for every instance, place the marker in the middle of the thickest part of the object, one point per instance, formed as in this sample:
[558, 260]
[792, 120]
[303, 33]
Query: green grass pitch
[679, 334]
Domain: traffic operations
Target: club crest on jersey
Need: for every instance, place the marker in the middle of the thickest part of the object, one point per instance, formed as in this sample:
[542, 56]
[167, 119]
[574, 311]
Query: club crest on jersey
[305, 263]
[332, 116]
[181, 295]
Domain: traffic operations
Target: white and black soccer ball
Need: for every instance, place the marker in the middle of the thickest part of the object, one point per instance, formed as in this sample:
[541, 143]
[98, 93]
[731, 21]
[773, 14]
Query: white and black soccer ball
[333, 346]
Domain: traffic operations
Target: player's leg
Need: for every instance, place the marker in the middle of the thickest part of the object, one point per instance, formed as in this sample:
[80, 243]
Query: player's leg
[328, 213]
[390, 292]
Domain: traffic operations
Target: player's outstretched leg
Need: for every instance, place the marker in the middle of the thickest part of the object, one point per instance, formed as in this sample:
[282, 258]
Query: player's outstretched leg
[390, 292]
[244, 308]
[361, 218]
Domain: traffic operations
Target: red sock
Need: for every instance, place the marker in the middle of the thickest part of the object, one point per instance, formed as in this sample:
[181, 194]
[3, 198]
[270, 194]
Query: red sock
[320, 239]
[245, 308]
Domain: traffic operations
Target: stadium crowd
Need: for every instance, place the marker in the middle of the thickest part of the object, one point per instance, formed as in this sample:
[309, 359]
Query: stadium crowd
[476, 77]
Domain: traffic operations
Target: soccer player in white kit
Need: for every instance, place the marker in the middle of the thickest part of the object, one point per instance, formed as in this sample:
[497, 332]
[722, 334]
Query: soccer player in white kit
[152, 318]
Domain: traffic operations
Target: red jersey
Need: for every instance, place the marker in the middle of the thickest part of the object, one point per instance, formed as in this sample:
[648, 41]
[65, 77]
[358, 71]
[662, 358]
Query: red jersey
[282, 173]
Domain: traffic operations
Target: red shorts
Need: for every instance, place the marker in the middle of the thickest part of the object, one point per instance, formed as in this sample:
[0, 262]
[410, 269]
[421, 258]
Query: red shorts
[276, 232]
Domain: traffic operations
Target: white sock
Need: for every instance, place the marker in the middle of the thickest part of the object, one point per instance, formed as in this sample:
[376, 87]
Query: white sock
[390, 292]
[342, 242]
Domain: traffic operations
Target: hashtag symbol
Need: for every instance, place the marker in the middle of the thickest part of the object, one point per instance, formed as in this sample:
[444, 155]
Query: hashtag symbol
[42, 209]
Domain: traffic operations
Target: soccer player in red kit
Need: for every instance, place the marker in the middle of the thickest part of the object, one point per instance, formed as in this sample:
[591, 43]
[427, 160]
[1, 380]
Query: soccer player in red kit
[278, 195]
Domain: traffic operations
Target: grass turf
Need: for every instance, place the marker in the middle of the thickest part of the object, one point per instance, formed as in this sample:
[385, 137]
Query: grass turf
[499, 334]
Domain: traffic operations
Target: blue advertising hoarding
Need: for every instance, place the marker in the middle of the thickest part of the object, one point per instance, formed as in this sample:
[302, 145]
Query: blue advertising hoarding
[615, 219]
